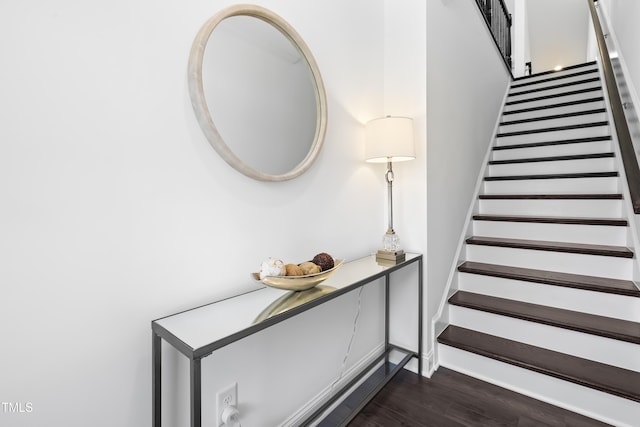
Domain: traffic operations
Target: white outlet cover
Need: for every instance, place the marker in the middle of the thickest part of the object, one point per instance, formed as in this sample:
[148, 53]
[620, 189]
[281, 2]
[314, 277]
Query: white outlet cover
[227, 396]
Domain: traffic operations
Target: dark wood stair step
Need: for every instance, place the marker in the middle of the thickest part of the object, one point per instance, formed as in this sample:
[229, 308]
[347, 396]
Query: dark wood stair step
[564, 247]
[552, 87]
[617, 381]
[555, 78]
[553, 176]
[547, 143]
[553, 129]
[555, 95]
[553, 117]
[554, 158]
[557, 105]
[616, 222]
[591, 196]
[554, 278]
[608, 327]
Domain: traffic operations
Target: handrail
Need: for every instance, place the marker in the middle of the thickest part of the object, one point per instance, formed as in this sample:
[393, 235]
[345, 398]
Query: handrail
[499, 25]
[629, 160]
[505, 10]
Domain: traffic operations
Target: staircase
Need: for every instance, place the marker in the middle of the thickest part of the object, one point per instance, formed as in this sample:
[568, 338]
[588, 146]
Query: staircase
[544, 302]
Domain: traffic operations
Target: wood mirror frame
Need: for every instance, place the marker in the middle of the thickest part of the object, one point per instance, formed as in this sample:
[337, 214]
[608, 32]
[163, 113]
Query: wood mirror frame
[202, 111]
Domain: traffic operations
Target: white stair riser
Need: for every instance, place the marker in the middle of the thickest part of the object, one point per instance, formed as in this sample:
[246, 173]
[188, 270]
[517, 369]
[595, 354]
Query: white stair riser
[599, 303]
[517, 94]
[542, 84]
[563, 74]
[590, 265]
[553, 150]
[560, 208]
[552, 122]
[552, 101]
[592, 403]
[587, 346]
[553, 186]
[552, 111]
[573, 233]
[603, 164]
[558, 135]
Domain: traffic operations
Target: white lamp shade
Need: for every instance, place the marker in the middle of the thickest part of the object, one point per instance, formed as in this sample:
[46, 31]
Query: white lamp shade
[389, 139]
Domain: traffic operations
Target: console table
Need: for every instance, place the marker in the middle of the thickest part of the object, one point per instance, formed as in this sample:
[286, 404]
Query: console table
[265, 307]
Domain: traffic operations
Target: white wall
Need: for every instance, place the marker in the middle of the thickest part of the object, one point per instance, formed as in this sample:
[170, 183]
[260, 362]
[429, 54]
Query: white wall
[623, 21]
[521, 43]
[405, 54]
[116, 211]
[518, 15]
[466, 83]
[556, 33]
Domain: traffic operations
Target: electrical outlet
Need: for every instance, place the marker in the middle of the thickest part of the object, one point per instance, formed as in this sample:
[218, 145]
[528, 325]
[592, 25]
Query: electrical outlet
[227, 396]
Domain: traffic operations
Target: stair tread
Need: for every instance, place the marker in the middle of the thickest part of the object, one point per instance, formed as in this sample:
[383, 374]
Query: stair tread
[590, 196]
[554, 158]
[558, 142]
[566, 247]
[555, 78]
[623, 330]
[555, 86]
[553, 129]
[553, 176]
[570, 67]
[606, 378]
[556, 105]
[555, 95]
[554, 117]
[616, 222]
[555, 278]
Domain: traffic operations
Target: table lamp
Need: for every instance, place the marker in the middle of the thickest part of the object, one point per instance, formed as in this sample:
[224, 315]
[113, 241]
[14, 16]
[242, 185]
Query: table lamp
[389, 139]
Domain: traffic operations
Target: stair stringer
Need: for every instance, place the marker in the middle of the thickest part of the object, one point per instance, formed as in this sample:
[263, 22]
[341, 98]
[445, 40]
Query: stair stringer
[440, 320]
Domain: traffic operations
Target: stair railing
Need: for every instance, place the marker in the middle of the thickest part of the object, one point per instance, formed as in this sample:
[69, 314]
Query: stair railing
[629, 159]
[498, 19]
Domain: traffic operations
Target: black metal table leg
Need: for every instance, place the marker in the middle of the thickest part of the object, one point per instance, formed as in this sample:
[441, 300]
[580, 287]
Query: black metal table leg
[196, 393]
[156, 379]
[420, 319]
[386, 312]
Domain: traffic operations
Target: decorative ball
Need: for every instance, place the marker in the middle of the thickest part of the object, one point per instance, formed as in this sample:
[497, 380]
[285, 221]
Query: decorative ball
[324, 261]
[294, 270]
[310, 268]
[272, 267]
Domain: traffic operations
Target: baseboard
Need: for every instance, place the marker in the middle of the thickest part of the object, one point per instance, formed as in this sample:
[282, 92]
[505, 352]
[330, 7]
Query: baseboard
[428, 364]
[316, 402]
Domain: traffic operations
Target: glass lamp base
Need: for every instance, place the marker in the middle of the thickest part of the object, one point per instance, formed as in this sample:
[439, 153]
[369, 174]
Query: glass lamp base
[391, 251]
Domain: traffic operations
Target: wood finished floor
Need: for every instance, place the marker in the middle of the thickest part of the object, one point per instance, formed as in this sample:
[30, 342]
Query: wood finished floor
[451, 399]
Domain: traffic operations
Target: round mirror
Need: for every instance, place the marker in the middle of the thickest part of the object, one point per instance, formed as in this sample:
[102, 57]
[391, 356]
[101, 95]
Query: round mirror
[257, 93]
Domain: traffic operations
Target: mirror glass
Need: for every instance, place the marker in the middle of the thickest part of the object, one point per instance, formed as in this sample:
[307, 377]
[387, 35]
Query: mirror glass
[257, 93]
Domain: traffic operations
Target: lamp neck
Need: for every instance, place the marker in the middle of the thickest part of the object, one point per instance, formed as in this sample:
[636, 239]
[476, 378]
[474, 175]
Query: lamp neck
[389, 178]
[388, 175]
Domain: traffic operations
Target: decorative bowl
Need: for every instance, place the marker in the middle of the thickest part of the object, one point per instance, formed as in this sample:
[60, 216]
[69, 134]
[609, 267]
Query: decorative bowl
[298, 283]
